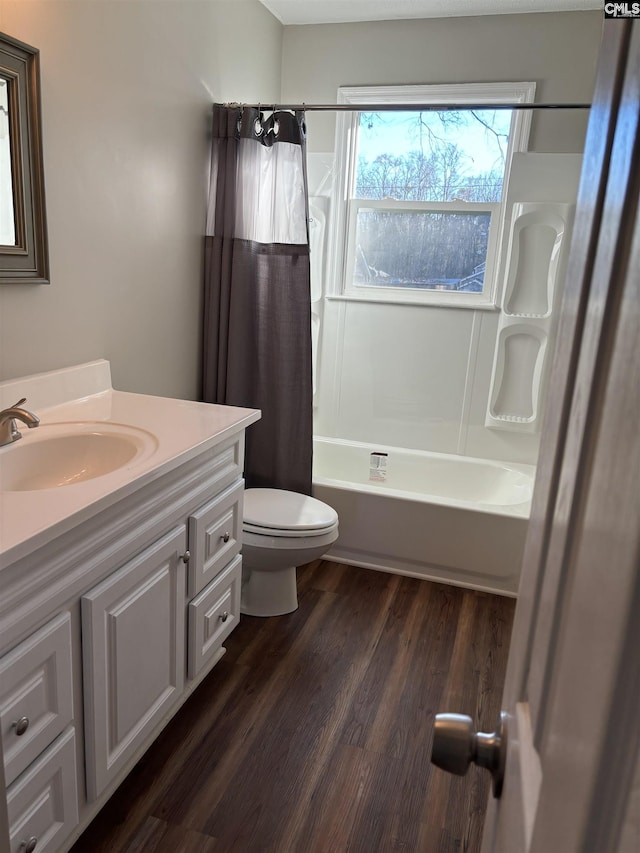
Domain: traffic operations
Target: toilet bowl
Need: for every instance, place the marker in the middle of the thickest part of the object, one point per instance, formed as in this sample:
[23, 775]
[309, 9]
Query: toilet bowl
[281, 530]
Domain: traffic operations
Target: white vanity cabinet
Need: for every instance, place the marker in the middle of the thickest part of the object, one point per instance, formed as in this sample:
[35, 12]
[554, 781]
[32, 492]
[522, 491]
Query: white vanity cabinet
[105, 631]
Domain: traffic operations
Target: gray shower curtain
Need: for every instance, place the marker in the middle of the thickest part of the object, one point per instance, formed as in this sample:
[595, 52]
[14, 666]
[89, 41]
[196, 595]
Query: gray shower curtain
[257, 304]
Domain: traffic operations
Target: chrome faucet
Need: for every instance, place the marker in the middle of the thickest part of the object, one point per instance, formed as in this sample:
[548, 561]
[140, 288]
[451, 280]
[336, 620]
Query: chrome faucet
[8, 428]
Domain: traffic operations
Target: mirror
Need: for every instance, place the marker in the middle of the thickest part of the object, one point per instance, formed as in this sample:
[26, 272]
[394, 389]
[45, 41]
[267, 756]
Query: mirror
[24, 256]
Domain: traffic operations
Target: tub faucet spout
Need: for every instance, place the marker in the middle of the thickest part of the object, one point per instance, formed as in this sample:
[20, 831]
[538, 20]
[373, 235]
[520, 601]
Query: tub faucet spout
[8, 428]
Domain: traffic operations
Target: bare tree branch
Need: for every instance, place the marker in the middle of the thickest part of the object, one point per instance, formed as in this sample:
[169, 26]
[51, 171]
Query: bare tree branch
[498, 136]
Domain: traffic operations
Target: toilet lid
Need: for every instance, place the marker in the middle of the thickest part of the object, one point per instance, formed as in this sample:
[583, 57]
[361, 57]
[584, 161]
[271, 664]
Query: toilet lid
[290, 512]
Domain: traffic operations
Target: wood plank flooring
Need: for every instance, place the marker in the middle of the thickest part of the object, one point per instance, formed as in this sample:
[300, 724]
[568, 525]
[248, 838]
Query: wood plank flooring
[313, 733]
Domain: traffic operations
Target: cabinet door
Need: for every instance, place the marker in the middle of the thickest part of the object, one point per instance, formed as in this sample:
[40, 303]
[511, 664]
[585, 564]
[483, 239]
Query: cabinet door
[133, 639]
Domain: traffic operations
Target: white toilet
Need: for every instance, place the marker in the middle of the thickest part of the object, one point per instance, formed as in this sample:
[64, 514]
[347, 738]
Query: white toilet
[281, 530]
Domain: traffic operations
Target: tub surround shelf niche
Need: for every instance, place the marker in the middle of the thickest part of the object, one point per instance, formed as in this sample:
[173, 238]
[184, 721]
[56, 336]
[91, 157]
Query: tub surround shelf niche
[537, 251]
[96, 604]
[535, 243]
[518, 374]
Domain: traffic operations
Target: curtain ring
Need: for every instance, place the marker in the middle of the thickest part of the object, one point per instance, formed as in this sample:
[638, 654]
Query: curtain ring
[258, 127]
[275, 126]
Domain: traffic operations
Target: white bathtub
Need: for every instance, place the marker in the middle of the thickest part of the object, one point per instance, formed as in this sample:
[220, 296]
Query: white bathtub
[448, 518]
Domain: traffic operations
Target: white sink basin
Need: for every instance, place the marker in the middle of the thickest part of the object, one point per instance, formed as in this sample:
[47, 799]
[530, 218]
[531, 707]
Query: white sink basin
[54, 455]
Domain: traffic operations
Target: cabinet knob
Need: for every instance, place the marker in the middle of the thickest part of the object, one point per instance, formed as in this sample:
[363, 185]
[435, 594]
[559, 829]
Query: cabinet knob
[226, 536]
[224, 616]
[30, 845]
[186, 556]
[21, 726]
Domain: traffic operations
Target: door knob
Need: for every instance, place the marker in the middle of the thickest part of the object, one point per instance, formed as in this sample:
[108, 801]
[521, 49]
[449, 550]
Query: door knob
[456, 745]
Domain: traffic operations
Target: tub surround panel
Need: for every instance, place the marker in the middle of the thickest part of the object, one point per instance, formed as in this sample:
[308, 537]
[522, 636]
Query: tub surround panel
[420, 376]
[403, 375]
[544, 179]
[328, 368]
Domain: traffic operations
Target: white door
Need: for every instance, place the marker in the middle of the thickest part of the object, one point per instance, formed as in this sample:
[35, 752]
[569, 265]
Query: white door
[573, 681]
[572, 690]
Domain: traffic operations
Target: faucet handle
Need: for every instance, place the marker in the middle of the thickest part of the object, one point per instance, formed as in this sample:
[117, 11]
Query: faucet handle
[19, 403]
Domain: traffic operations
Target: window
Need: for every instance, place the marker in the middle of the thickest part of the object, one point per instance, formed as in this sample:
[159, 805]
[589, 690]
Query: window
[420, 207]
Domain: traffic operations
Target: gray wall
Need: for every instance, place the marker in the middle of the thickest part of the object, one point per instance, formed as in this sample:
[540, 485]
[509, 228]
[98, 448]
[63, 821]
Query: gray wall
[556, 50]
[127, 89]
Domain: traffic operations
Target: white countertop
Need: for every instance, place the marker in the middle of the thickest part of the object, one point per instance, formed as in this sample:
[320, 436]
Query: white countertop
[177, 430]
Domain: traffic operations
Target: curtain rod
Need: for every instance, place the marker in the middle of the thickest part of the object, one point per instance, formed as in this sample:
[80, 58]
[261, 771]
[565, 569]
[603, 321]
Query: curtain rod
[395, 107]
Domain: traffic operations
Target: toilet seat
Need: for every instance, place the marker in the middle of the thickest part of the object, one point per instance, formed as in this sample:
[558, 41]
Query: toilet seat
[280, 513]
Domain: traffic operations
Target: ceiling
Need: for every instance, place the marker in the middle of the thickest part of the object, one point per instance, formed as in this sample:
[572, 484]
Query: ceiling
[341, 11]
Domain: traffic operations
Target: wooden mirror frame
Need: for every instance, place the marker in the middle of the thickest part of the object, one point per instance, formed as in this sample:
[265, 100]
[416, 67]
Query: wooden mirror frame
[28, 260]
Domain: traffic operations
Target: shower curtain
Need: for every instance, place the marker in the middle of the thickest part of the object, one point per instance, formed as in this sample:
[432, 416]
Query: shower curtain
[257, 309]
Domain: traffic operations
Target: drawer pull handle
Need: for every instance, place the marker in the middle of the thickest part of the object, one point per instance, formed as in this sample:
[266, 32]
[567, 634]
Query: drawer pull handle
[224, 616]
[226, 536]
[30, 845]
[21, 726]
[186, 556]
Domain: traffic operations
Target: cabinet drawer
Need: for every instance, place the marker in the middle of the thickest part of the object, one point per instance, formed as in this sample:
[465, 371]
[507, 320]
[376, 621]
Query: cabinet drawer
[213, 615]
[215, 534]
[36, 696]
[43, 802]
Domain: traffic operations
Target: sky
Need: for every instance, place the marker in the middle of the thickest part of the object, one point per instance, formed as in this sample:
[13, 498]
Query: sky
[397, 133]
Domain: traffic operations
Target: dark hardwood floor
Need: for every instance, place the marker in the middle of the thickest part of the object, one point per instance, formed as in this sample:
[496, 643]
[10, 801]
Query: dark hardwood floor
[314, 732]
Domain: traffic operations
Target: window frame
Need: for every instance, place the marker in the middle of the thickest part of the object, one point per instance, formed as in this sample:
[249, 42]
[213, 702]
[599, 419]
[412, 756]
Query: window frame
[345, 206]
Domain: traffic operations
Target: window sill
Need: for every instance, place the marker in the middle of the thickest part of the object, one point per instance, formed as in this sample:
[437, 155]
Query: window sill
[424, 302]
